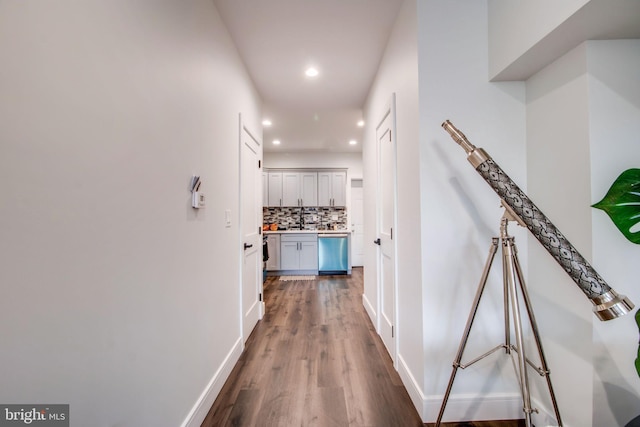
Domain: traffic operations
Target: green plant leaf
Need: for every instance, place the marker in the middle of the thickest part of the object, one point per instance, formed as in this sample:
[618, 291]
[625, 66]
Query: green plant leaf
[622, 204]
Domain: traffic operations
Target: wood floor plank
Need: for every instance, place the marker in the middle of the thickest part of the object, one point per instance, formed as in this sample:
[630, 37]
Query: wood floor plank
[283, 400]
[500, 423]
[245, 408]
[315, 360]
[330, 370]
[326, 408]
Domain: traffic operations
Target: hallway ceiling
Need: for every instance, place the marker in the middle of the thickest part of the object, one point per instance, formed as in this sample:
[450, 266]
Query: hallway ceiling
[279, 39]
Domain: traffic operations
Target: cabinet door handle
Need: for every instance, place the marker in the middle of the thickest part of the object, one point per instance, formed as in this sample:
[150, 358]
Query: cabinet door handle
[247, 246]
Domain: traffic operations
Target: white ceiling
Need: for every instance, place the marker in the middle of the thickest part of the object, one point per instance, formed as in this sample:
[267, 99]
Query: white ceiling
[279, 39]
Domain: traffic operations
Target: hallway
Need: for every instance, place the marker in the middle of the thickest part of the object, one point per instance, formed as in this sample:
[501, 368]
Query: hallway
[314, 360]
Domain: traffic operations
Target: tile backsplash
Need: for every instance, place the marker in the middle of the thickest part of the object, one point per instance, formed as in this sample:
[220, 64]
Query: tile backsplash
[310, 218]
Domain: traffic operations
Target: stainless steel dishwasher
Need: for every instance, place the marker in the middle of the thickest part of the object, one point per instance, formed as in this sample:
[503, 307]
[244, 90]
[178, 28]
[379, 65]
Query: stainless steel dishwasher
[333, 253]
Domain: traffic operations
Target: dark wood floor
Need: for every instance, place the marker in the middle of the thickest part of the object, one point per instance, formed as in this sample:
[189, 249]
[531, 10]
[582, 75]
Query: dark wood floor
[315, 360]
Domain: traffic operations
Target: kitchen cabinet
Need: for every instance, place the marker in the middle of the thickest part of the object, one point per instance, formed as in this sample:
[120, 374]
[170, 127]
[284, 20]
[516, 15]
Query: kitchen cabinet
[332, 188]
[273, 246]
[265, 189]
[299, 252]
[300, 188]
[274, 189]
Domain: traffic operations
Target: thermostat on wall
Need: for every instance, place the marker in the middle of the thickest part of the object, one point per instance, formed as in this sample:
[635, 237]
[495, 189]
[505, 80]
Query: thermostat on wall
[197, 200]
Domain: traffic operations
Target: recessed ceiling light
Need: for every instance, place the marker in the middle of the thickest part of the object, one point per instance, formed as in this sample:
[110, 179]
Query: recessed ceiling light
[276, 142]
[353, 142]
[360, 123]
[312, 72]
[266, 122]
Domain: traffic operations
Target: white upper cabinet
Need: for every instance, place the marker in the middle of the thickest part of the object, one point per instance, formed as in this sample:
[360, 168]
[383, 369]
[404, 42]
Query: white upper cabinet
[332, 188]
[290, 189]
[302, 188]
[299, 189]
[309, 188]
[275, 189]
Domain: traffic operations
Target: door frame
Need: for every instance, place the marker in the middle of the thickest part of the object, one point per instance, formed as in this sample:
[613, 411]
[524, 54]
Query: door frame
[388, 111]
[242, 130]
[351, 205]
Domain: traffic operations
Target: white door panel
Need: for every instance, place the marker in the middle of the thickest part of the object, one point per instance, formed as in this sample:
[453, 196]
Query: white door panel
[251, 244]
[386, 192]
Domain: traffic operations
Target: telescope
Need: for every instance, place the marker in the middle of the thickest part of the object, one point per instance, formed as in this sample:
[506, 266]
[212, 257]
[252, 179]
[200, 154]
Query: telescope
[608, 304]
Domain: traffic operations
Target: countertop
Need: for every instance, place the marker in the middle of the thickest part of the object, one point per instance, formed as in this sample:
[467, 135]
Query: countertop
[307, 232]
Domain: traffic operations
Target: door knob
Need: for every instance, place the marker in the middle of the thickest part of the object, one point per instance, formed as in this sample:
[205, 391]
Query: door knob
[377, 241]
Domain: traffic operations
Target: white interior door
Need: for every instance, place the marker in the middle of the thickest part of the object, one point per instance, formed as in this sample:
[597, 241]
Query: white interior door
[251, 237]
[357, 223]
[385, 134]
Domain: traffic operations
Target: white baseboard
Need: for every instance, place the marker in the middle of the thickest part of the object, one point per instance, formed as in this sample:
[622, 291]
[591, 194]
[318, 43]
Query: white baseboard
[370, 310]
[412, 386]
[202, 406]
[499, 406]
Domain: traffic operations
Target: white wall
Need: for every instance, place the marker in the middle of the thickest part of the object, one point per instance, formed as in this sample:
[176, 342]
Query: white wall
[545, 142]
[113, 288]
[558, 177]
[398, 73]
[614, 125]
[350, 161]
[527, 35]
[582, 127]
[460, 213]
[516, 29]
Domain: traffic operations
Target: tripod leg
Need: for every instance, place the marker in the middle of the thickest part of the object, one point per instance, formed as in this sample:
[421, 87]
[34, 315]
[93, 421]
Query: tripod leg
[509, 264]
[536, 334]
[465, 337]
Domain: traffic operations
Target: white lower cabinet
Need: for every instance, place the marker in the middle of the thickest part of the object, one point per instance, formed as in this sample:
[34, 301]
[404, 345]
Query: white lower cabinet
[299, 252]
[273, 247]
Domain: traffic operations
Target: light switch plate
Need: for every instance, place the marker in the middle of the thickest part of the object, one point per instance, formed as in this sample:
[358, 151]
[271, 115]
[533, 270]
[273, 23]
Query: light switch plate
[227, 218]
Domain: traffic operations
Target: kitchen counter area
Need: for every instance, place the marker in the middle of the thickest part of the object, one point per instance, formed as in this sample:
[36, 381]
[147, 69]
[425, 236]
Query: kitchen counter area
[307, 232]
[307, 252]
[305, 222]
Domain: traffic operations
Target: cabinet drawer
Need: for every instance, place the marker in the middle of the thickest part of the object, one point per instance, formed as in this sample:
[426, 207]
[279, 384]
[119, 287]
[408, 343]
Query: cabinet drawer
[298, 237]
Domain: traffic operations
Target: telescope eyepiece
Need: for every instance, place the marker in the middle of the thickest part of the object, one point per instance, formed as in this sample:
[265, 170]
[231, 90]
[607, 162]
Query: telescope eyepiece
[458, 136]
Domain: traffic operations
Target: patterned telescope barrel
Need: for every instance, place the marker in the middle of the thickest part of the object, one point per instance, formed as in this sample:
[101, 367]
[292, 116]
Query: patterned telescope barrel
[607, 303]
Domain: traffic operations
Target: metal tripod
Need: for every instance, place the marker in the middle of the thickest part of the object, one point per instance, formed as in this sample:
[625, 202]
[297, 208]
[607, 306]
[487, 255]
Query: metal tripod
[512, 273]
